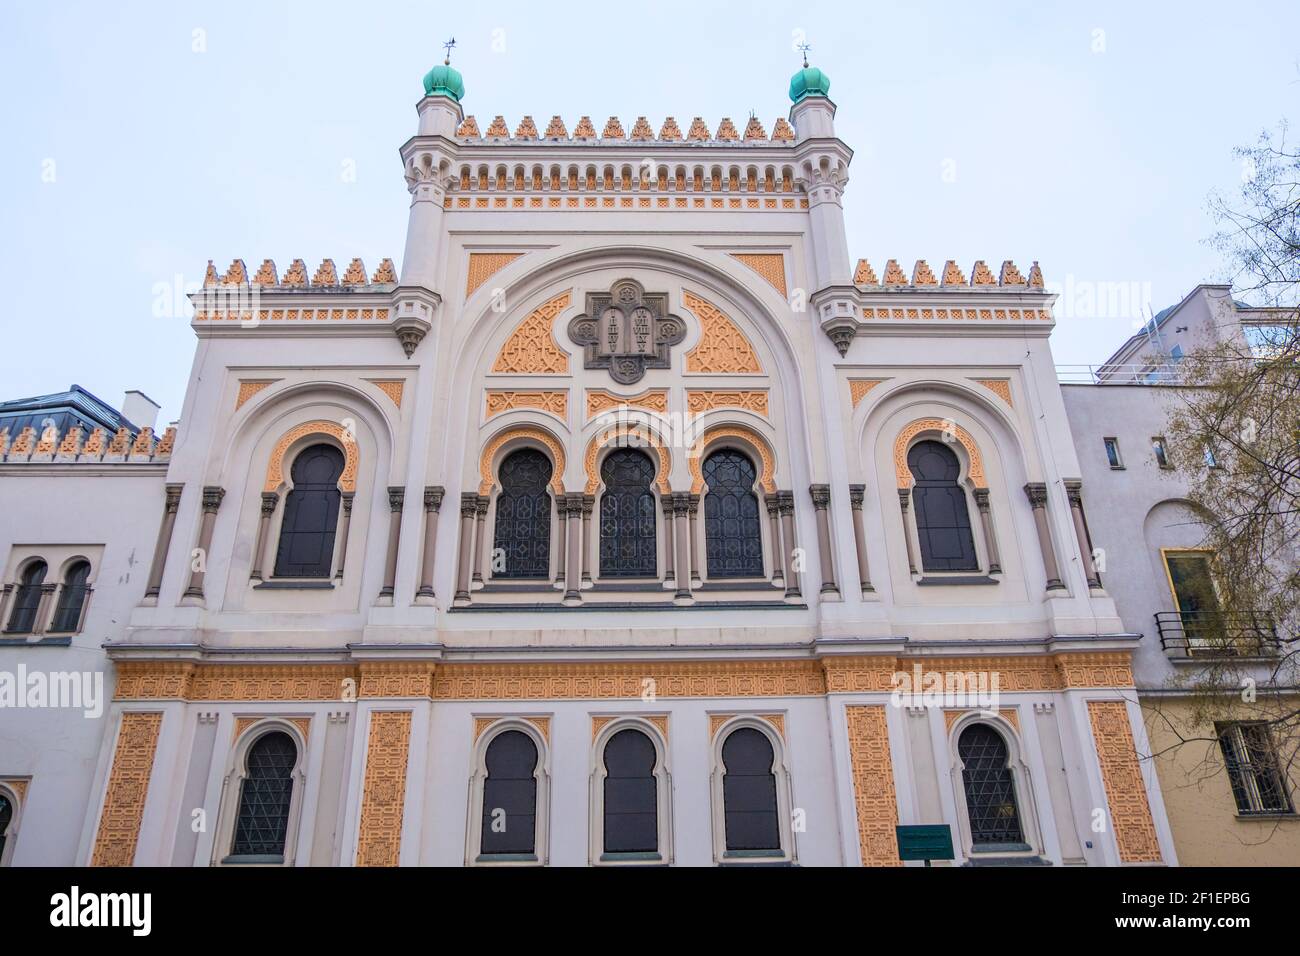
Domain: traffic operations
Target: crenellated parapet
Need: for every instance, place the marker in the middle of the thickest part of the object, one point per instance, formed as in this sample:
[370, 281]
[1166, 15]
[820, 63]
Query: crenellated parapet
[613, 132]
[75, 445]
[326, 295]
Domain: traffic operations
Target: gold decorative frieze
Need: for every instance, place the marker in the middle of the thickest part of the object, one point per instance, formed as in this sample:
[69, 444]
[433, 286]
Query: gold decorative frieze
[275, 467]
[701, 400]
[752, 440]
[243, 722]
[947, 427]
[531, 348]
[499, 401]
[487, 477]
[395, 678]
[874, 797]
[858, 388]
[722, 347]
[1126, 792]
[543, 724]
[483, 265]
[1000, 387]
[383, 795]
[769, 265]
[392, 387]
[717, 720]
[660, 721]
[859, 674]
[652, 400]
[952, 715]
[249, 388]
[128, 786]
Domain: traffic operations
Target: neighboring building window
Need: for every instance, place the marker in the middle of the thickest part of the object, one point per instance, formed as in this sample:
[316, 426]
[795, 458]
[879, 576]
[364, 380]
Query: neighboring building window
[1161, 451]
[72, 598]
[1176, 353]
[510, 796]
[1191, 579]
[1112, 452]
[523, 515]
[311, 515]
[749, 793]
[6, 818]
[942, 515]
[262, 825]
[1211, 459]
[627, 516]
[631, 799]
[27, 599]
[1257, 784]
[732, 539]
[990, 787]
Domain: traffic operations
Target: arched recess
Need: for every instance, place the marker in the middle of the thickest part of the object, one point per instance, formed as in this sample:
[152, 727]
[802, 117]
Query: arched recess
[927, 427]
[232, 786]
[662, 776]
[782, 779]
[622, 436]
[512, 437]
[742, 437]
[539, 735]
[1026, 806]
[275, 464]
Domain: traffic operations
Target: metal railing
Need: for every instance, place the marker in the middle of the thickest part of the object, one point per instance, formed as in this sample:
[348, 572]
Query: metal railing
[1216, 634]
[1141, 374]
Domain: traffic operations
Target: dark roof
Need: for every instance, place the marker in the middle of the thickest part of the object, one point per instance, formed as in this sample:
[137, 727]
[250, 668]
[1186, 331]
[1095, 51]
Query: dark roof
[64, 410]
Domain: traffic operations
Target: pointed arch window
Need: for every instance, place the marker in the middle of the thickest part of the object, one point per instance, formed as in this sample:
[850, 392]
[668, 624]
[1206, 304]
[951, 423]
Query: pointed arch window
[627, 515]
[72, 598]
[27, 599]
[942, 515]
[311, 515]
[732, 527]
[631, 798]
[523, 514]
[509, 825]
[749, 793]
[265, 797]
[990, 787]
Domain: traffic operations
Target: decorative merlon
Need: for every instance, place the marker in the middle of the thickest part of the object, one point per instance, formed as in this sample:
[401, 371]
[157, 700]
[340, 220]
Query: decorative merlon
[755, 134]
[74, 446]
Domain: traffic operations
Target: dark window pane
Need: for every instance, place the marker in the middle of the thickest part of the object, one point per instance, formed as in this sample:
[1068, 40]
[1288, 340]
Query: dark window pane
[627, 516]
[523, 516]
[6, 817]
[27, 599]
[71, 598]
[942, 517]
[510, 795]
[990, 789]
[631, 794]
[749, 792]
[733, 542]
[264, 797]
[310, 515]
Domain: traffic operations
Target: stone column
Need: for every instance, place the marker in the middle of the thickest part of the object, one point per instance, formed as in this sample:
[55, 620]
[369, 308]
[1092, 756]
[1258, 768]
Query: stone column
[396, 498]
[212, 496]
[774, 521]
[345, 525]
[468, 506]
[785, 504]
[857, 493]
[1074, 492]
[573, 550]
[986, 522]
[43, 609]
[269, 500]
[681, 538]
[670, 576]
[4, 604]
[432, 508]
[170, 504]
[821, 499]
[561, 549]
[482, 553]
[588, 505]
[697, 578]
[1036, 492]
[905, 502]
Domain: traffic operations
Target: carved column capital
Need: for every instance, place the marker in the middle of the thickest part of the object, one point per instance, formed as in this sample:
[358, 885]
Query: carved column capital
[468, 504]
[481, 505]
[773, 503]
[1036, 492]
[982, 499]
[433, 495]
[904, 498]
[821, 496]
[212, 496]
[269, 500]
[346, 501]
[588, 505]
[785, 502]
[1074, 492]
[173, 499]
[396, 498]
[857, 494]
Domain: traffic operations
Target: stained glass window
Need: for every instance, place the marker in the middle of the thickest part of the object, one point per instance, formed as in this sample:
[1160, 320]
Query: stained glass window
[942, 515]
[523, 518]
[627, 516]
[749, 792]
[510, 795]
[733, 542]
[990, 787]
[311, 515]
[264, 797]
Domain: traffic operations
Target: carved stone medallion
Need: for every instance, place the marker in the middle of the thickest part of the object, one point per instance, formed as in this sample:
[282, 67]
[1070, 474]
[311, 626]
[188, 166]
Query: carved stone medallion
[626, 331]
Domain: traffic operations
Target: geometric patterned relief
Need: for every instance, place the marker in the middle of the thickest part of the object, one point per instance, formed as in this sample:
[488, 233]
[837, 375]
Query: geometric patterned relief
[379, 841]
[128, 785]
[873, 785]
[722, 347]
[531, 348]
[482, 265]
[771, 266]
[1126, 793]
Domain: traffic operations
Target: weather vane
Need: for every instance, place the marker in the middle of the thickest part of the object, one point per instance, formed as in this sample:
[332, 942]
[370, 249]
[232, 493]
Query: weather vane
[452, 42]
[804, 48]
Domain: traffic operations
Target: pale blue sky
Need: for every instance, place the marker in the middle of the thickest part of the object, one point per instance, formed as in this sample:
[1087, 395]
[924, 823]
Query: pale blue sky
[987, 131]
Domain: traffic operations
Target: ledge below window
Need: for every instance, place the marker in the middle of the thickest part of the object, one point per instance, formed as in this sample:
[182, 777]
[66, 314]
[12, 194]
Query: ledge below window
[593, 606]
[957, 580]
[254, 859]
[64, 641]
[631, 858]
[292, 584]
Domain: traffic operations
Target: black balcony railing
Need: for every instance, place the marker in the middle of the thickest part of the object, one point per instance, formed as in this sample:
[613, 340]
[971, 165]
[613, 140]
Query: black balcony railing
[1216, 634]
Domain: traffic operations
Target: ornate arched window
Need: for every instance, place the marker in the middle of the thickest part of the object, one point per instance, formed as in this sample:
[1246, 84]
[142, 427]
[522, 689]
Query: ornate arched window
[523, 514]
[509, 824]
[749, 793]
[6, 818]
[27, 599]
[627, 515]
[265, 797]
[732, 539]
[942, 516]
[311, 515]
[72, 598]
[631, 798]
[990, 787]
